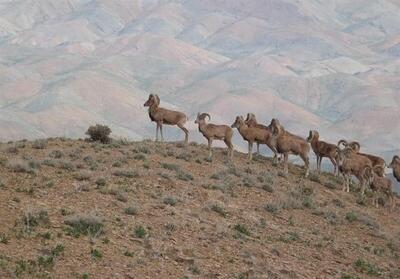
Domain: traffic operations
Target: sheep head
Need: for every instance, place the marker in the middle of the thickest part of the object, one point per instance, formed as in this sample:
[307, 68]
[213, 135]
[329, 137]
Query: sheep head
[153, 99]
[239, 121]
[276, 127]
[202, 117]
[313, 134]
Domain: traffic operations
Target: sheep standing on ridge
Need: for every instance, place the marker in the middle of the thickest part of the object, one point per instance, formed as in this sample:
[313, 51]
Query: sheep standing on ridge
[212, 131]
[249, 134]
[251, 121]
[322, 149]
[287, 143]
[375, 160]
[379, 185]
[352, 163]
[165, 116]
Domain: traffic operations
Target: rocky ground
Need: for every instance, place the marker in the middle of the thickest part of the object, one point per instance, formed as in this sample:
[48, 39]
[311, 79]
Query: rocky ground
[74, 209]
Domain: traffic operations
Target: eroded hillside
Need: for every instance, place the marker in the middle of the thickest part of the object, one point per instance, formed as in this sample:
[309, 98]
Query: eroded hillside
[73, 209]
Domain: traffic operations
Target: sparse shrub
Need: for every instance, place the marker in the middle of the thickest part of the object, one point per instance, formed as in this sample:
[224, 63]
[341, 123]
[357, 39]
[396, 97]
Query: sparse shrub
[268, 188]
[126, 173]
[185, 176]
[4, 238]
[101, 182]
[219, 209]
[330, 185]
[139, 157]
[39, 144]
[172, 167]
[117, 164]
[12, 150]
[49, 162]
[241, 228]
[33, 218]
[248, 182]
[18, 165]
[363, 266]
[99, 133]
[131, 210]
[194, 269]
[314, 177]
[338, 203]
[271, 208]
[140, 232]
[351, 216]
[170, 201]
[122, 197]
[96, 254]
[84, 224]
[83, 175]
[129, 254]
[56, 154]
[66, 165]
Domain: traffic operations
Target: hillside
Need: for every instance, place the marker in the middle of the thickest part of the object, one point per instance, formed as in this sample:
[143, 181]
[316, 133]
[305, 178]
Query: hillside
[73, 209]
[328, 65]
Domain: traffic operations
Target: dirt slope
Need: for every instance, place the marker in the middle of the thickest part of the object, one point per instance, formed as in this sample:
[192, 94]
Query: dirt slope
[72, 209]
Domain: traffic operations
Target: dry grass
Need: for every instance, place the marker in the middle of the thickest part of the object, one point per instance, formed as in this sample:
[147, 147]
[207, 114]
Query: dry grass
[144, 209]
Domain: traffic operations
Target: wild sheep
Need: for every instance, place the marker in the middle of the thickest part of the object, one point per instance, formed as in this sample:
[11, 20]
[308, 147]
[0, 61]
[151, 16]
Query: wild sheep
[287, 143]
[379, 185]
[251, 121]
[395, 166]
[249, 134]
[165, 116]
[351, 163]
[322, 149]
[375, 160]
[212, 131]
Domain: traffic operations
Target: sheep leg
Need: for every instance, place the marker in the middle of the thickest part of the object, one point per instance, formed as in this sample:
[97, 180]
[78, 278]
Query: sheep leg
[304, 157]
[334, 165]
[258, 148]
[318, 163]
[344, 182]
[162, 137]
[185, 131]
[285, 163]
[209, 148]
[157, 127]
[250, 155]
[230, 148]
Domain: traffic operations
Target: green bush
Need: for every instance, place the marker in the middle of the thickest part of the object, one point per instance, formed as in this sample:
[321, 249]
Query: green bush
[99, 133]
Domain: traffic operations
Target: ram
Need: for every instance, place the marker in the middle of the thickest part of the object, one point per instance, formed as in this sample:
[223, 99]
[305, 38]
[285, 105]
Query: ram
[351, 163]
[251, 121]
[286, 143]
[165, 116]
[375, 160]
[211, 131]
[322, 149]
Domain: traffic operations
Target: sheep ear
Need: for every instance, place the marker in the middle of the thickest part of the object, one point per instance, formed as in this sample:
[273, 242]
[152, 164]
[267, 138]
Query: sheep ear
[158, 99]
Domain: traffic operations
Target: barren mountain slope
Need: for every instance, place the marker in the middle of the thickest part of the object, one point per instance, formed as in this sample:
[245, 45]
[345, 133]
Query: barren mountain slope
[73, 209]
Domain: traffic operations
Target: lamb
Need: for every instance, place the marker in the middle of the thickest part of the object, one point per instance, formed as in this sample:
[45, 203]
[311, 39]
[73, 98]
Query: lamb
[212, 131]
[251, 121]
[322, 149]
[287, 143]
[165, 116]
[250, 134]
[380, 185]
[352, 163]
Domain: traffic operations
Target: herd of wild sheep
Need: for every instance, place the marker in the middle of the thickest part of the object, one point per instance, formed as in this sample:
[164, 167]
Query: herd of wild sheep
[345, 156]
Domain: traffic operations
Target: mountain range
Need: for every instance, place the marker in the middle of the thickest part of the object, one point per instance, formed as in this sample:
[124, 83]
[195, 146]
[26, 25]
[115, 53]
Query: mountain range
[328, 65]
